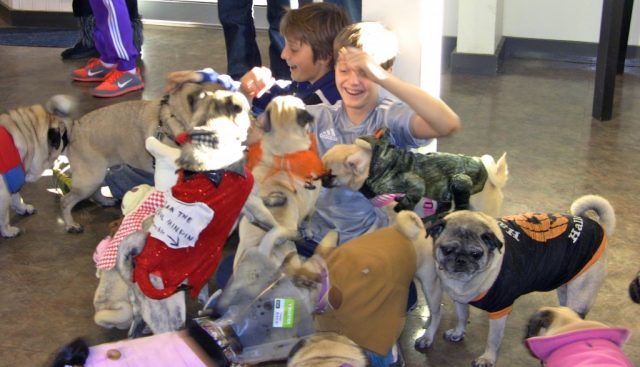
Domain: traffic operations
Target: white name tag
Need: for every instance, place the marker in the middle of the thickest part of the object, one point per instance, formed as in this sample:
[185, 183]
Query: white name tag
[179, 224]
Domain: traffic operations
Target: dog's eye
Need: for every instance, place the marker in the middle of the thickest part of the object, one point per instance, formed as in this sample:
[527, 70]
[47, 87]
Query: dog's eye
[476, 254]
[446, 251]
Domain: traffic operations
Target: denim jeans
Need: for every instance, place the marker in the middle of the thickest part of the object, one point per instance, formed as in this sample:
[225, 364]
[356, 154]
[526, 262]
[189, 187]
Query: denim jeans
[123, 178]
[236, 17]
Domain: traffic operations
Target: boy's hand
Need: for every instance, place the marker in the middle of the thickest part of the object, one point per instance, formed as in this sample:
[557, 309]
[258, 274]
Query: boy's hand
[362, 63]
[256, 81]
[177, 78]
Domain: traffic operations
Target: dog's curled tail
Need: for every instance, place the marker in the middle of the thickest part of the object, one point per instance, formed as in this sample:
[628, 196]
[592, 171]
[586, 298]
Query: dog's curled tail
[598, 204]
[62, 105]
[410, 225]
[498, 171]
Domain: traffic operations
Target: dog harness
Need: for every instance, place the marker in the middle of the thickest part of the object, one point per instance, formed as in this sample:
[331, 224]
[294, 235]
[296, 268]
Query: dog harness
[304, 164]
[106, 253]
[542, 251]
[589, 347]
[11, 166]
[196, 221]
[369, 287]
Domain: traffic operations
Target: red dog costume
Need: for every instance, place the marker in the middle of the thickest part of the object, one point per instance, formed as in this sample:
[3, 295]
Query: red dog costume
[214, 199]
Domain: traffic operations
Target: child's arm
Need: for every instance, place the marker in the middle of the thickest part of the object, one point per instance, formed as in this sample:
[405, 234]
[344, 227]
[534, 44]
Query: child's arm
[433, 117]
[256, 81]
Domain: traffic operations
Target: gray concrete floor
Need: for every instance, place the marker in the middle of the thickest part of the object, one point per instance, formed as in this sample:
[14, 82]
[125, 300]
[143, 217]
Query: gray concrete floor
[539, 112]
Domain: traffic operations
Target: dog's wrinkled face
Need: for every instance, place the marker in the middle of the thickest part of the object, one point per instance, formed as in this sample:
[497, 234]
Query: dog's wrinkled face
[219, 127]
[465, 244]
[347, 166]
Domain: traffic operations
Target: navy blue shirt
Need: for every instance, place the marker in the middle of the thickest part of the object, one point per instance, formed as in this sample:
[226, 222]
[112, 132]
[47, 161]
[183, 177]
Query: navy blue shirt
[542, 251]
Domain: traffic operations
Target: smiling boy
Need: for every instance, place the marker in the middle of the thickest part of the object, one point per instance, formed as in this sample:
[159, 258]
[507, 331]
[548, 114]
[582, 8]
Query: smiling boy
[309, 33]
[365, 53]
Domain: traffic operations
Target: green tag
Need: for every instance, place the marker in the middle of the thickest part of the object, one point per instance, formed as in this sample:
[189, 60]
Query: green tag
[284, 312]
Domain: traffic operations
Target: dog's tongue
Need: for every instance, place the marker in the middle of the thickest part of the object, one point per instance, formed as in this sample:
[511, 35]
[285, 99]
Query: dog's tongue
[183, 138]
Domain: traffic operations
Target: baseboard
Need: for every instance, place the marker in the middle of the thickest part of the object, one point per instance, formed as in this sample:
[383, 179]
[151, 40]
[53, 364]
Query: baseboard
[24, 18]
[477, 63]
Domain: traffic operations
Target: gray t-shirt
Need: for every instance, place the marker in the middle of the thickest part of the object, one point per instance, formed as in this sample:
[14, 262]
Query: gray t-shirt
[344, 210]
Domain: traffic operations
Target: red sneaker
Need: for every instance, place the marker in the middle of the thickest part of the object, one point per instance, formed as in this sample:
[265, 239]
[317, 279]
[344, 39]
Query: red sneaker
[118, 83]
[94, 71]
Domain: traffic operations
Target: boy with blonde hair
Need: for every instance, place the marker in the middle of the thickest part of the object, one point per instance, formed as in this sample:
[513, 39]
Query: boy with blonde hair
[364, 54]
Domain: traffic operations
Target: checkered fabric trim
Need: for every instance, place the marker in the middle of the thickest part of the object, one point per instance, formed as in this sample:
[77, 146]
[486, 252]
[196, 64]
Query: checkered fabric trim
[105, 258]
[204, 138]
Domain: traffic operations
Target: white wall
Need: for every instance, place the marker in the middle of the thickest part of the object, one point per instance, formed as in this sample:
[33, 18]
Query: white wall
[565, 20]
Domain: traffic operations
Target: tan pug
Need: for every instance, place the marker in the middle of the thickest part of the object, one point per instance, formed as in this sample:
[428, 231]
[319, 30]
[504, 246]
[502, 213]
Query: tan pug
[327, 350]
[284, 164]
[489, 263]
[558, 336]
[116, 134]
[33, 136]
[430, 184]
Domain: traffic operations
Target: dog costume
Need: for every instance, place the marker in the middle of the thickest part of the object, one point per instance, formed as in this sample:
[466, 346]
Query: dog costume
[369, 281]
[304, 165]
[542, 251]
[11, 166]
[189, 232]
[436, 179]
[589, 347]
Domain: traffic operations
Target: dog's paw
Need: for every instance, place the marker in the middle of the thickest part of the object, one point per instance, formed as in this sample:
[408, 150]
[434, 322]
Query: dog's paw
[10, 231]
[26, 209]
[423, 342]
[453, 335]
[482, 362]
[275, 199]
[74, 228]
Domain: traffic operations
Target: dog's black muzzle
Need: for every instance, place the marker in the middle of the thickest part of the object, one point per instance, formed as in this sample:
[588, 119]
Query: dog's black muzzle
[328, 180]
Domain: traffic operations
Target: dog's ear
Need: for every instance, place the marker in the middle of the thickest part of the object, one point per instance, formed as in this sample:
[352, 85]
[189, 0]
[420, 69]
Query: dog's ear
[299, 345]
[358, 163]
[362, 143]
[436, 228]
[540, 320]
[492, 242]
[54, 138]
[304, 117]
[265, 119]
[231, 107]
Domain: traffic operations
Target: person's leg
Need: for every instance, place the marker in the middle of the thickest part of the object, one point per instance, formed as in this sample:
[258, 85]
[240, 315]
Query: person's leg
[353, 8]
[275, 11]
[113, 36]
[236, 17]
[84, 46]
[136, 24]
[123, 178]
[114, 39]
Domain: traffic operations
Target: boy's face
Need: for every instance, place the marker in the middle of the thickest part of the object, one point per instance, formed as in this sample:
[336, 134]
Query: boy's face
[358, 92]
[299, 57]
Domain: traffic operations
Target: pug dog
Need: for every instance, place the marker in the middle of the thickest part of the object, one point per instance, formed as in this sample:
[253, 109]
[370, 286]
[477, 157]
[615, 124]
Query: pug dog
[558, 336]
[430, 184]
[116, 134]
[31, 138]
[327, 349]
[284, 164]
[489, 263]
